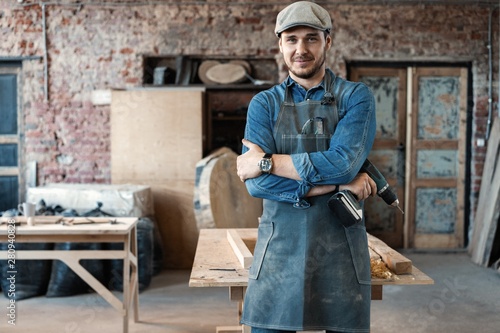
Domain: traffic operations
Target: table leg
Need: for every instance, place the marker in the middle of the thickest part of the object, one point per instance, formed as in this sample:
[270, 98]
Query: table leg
[126, 283]
[135, 275]
[236, 294]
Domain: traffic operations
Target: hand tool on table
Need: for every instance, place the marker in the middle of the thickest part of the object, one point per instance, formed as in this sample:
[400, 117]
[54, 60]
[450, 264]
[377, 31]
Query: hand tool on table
[346, 206]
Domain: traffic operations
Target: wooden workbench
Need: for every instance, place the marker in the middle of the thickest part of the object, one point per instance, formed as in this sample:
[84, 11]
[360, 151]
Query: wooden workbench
[56, 229]
[216, 265]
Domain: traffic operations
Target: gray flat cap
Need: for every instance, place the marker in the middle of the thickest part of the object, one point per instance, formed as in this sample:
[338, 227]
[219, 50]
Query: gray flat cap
[303, 13]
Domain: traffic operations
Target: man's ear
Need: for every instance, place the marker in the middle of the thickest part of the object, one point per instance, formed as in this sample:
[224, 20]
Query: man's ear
[281, 46]
[328, 42]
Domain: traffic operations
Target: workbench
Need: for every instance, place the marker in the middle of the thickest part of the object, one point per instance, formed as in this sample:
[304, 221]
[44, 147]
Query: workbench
[217, 264]
[56, 229]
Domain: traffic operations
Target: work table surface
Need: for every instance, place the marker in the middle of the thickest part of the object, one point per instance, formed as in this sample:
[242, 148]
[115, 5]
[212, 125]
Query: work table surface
[57, 225]
[216, 265]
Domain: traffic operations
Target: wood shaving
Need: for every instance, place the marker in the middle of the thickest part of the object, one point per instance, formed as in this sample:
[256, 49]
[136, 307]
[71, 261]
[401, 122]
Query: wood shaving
[379, 269]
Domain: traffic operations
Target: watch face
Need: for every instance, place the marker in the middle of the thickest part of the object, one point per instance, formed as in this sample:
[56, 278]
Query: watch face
[266, 165]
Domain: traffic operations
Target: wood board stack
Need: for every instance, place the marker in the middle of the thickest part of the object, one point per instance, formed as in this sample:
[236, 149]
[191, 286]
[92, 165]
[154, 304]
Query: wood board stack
[488, 209]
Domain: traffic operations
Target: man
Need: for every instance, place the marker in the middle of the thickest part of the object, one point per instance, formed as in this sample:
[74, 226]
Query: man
[303, 138]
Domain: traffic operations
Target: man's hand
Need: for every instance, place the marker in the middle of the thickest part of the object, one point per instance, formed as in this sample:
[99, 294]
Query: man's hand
[362, 186]
[247, 164]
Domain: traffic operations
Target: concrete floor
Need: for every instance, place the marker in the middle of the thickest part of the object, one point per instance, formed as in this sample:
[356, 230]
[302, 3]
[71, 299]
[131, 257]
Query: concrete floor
[465, 298]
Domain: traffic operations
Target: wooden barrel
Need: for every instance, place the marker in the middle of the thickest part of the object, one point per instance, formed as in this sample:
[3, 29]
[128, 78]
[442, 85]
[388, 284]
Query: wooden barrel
[221, 200]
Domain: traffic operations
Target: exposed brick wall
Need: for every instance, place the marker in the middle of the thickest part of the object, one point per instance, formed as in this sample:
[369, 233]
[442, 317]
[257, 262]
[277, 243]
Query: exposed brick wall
[100, 47]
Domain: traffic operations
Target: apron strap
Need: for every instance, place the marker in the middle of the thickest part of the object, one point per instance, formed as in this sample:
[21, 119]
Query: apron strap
[333, 93]
[288, 97]
[333, 89]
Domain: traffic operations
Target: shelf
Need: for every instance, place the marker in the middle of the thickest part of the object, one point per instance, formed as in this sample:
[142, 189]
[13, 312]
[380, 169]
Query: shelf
[183, 69]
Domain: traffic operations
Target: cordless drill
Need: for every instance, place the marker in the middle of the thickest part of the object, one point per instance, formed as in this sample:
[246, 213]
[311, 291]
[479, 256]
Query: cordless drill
[383, 189]
[346, 206]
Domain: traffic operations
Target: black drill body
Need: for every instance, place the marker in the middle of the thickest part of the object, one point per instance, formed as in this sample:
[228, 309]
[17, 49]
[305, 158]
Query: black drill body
[383, 189]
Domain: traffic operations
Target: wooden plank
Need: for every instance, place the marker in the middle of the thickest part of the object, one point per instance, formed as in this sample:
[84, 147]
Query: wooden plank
[396, 262]
[373, 255]
[75, 238]
[215, 264]
[9, 171]
[488, 208]
[156, 134]
[5, 139]
[408, 227]
[123, 226]
[240, 248]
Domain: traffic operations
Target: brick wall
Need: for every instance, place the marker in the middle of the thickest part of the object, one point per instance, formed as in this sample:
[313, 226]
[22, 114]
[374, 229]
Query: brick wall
[101, 47]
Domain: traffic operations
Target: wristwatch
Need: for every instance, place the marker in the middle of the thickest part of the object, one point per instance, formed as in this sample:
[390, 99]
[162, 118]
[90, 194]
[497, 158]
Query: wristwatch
[266, 163]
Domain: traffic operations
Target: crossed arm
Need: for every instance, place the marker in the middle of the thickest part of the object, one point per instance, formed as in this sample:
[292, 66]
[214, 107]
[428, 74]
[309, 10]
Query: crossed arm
[247, 167]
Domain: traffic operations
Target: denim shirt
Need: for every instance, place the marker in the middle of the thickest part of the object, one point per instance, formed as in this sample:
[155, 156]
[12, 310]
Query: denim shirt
[349, 146]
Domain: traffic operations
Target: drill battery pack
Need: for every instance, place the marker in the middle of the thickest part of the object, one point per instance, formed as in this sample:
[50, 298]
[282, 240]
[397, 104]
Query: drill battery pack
[346, 208]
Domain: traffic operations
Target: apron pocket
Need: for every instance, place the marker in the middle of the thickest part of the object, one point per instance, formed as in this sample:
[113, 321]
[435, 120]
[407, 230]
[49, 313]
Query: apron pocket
[358, 244]
[264, 236]
[305, 143]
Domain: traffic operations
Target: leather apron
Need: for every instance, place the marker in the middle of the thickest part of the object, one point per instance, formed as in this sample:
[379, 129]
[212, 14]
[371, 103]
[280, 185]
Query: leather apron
[309, 271]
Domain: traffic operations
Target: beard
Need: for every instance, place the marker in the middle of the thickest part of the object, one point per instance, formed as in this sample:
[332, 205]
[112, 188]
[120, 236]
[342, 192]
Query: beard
[307, 73]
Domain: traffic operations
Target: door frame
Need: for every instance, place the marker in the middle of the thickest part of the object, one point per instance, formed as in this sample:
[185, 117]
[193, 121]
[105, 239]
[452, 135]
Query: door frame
[394, 238]
[16, 69]
[467, 142]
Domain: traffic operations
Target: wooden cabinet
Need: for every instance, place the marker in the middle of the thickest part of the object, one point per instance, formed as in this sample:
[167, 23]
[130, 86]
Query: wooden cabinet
[226, 110]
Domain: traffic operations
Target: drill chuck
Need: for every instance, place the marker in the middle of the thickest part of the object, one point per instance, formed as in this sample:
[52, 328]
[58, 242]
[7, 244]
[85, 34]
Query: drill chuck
[387, 195]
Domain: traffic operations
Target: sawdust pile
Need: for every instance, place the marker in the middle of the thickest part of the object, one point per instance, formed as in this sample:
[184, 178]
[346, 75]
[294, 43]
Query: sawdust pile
[380, 270]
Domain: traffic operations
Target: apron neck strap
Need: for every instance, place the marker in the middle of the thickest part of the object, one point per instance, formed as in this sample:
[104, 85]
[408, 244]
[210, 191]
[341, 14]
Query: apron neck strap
[328, 97]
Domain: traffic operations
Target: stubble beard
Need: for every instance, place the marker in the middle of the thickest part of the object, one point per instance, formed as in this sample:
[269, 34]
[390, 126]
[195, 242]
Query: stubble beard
[310, 73]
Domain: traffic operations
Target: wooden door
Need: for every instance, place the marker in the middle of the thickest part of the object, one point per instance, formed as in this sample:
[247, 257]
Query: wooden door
[436, 168]
[10, 157]
[420, 148]
[389, 87]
